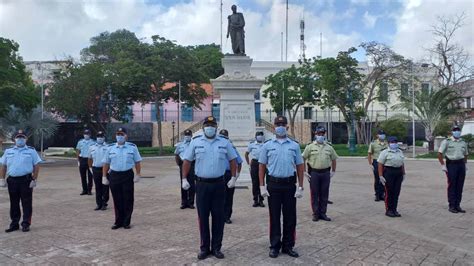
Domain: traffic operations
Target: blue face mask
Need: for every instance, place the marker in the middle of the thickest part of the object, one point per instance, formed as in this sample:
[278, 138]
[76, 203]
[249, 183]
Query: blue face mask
[260, 138]
[187, 138]
[210, 132]
[320, 139]
[393, 146]
[20, 142]
[120, 139]
[382, 137]
[457, 134]
[280, 131]
[100, 140]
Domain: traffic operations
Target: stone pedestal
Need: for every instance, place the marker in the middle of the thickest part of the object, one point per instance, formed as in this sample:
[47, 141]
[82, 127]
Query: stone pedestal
[237, 90]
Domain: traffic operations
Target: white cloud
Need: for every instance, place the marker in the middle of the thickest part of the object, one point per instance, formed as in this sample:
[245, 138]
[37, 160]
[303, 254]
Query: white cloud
[369, 20]
[360, 2]
[415, 20]
[53, 29]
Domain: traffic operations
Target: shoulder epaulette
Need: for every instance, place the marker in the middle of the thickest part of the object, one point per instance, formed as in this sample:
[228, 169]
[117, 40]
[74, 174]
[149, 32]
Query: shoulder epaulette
[111, 144]
[267, 140]
[197, 136]
[293, 140]
[131, 144]
[329, 143]
[29, 147]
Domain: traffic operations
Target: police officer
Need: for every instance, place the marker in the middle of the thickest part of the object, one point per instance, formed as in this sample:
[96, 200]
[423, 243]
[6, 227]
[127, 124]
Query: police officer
[120, 159]
[321, 157]
[20, 164]
[187, 196]
[391, 174]
[82, 152]
[229, 190]
[96, 155]
[282, 157]
[211, 154]
[254, 150]
[455, 150]
[375, 147]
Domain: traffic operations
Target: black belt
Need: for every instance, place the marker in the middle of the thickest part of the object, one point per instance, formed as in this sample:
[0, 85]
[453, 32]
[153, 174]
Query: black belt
[325, 170]
[394, 168]
[210, 180]
[21, 176]
[290, 179]
[121, 172]
[254, 161]
[448, 161]
[97, 167]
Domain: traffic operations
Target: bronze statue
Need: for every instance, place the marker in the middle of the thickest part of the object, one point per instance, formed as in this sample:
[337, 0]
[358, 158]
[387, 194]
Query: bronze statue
[236, 31]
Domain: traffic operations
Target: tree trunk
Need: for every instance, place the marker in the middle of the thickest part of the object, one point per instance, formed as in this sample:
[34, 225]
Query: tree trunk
[158, 121]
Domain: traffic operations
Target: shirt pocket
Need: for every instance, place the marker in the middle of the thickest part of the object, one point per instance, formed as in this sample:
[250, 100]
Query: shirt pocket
[199, 154]
[130, 157]
[222, 154]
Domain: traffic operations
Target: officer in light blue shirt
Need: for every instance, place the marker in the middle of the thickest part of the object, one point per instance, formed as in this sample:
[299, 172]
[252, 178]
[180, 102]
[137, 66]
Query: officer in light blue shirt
[282, 157]
[120, 159]
[229, 193]
[82, 152]
[253, 150]
[187, 196]
[21, 165]
[211, 154]
[97, 154]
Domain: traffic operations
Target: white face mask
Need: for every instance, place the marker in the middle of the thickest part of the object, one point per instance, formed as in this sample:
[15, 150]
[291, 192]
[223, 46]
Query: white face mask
[87, 137]
[100, 140]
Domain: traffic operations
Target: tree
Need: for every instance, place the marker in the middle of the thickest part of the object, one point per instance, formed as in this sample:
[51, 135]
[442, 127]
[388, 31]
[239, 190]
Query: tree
[384, 66]
[289, 89]
[337, 80]
[432, 108]
[452, 62]
[16, 86]
[30, 121]
[208, 57]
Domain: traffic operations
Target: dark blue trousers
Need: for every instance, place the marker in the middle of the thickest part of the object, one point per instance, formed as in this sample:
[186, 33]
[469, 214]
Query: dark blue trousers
[456, 176]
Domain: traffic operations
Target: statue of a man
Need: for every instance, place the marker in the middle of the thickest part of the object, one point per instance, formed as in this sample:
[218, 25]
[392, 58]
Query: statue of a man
[236, 31]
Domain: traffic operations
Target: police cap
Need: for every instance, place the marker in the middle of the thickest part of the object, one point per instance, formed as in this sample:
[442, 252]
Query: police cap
[259, 133]
[19, 133]
[188, 132]
[224, 132]
[100, 134]
[280, 120]
[121, 130]
[392, 139]
[210, 120]
[320, 129]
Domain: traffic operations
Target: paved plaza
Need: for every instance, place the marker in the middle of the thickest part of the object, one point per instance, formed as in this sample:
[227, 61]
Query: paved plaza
[66, 230]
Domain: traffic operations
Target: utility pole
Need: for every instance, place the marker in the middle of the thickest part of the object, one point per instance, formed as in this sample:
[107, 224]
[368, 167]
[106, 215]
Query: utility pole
[286, 52]
[40, 67]
[281, 49]
[179, 106]
[302, 45]
[221, 42]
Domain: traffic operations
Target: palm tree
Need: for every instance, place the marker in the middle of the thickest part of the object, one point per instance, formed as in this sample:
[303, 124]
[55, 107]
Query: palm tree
[31, 122]
[432, 108]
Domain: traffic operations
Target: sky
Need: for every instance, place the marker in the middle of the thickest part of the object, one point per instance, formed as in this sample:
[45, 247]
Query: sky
[56, 29]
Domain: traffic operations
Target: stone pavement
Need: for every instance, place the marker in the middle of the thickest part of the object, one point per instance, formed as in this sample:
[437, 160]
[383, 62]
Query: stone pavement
[66, 230]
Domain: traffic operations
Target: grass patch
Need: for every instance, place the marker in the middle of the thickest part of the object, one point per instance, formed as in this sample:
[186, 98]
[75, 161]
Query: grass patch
[434, 155]
[144, 152]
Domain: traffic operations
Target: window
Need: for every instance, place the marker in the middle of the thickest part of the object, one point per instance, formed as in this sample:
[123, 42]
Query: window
[425, 88]
[404, 90]
[308, 112]
[467, 103]
[153, 113]
[186, 113]
[383, 92]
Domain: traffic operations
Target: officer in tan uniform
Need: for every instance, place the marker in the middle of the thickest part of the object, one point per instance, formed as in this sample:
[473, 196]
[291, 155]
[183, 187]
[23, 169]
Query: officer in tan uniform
[375, 147]
[321, 157]
[455, 151]
[391, 174]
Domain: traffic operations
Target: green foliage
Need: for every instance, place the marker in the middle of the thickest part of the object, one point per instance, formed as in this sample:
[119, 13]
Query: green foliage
[442, 129]
[16, 86]
[419, 143]
[208, 60]
[469, 139]
[343, 150]
[31, 122]
[395, 127]
[155, 151]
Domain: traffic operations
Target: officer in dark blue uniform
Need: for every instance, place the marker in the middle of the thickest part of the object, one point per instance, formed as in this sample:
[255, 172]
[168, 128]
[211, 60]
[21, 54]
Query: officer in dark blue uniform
[20, 164]
[253, 150]
[282, 157]
[82, 152]
[211, 154]
[120, 158]
[229, 192]
[96, 156]
[187, 196]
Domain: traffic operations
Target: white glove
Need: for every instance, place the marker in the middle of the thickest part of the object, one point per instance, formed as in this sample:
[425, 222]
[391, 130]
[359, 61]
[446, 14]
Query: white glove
[308, 176]
[78, 163]
[185, 184]
[332, 174]
[33, 184]
[136, 178]
[105, 181]
[264, 192]
[371, 167]
[237, 175]
[3, 183]
[382, 180]
[231, 182]
[444, 168]
[299, 193]
[90, 169]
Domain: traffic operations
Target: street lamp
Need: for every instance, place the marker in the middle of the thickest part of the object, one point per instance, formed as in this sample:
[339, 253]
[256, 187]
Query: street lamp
[352, 139]
[40, 67]
[172, 126]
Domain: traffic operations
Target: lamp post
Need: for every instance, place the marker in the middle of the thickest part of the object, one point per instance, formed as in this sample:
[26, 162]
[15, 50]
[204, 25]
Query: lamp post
[40, 67]
[352, 139]
[172, 126]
